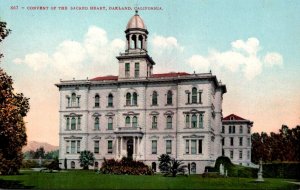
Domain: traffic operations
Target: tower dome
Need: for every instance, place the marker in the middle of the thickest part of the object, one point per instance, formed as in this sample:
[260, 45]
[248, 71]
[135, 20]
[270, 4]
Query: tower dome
[136, 22]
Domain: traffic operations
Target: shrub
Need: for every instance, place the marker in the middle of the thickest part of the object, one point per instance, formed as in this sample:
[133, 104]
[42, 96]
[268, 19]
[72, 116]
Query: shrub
[125, 166]
[29, 164]
[282, 170]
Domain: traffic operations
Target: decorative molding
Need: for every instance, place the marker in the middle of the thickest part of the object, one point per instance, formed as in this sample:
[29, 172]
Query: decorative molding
[154, 137]
[154, 113]
[96, 114]
[109, 137]
[168, 137]
[169, 112]
[110, 114]
[96, 137]
[194, 136]
[72, 138]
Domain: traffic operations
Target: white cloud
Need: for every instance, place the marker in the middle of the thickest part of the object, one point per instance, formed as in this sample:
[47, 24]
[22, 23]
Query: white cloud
[165, 43]
[241, 57]
[273, 59]
[95, 55]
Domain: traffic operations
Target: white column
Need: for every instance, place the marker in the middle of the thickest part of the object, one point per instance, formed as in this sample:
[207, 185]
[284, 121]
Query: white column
[121, 146]
[138, 144]
[117, 147]
[134, 154]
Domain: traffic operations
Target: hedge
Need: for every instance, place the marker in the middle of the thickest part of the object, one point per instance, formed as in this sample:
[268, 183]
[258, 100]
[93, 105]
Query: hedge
[282, 170]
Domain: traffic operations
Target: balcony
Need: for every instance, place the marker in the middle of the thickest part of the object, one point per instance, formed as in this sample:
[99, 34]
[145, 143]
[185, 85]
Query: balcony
[129, 131]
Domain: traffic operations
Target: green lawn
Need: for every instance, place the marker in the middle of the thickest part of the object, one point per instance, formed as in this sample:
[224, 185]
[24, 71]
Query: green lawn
[91, 180]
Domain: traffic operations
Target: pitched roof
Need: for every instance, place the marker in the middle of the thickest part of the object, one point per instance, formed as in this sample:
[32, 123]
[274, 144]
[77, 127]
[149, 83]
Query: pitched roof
[170, 74]
[233, 117]
[103, 78]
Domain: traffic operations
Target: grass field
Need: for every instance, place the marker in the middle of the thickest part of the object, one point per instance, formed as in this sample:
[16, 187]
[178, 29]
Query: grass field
[91, 180]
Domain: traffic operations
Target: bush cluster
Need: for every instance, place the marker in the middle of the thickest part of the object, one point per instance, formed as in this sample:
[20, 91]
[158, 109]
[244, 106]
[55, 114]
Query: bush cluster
[282, 170]
[125, 166]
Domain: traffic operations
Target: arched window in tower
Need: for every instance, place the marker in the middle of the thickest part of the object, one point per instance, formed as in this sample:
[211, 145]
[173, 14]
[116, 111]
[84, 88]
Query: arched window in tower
[154, 98]
[169, 97]
[127, 121]
[128, 99]
[73, 123]
[194, 121]
[134, 121]
[110, 100]
[169, 122]
[141, 42]
[73, 100]
[97, 100]
[134, 41]
[134, 98]
[110, 123]
[97, 123]
[194, 95]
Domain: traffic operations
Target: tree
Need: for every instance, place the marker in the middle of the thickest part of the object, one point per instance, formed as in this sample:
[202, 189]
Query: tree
[86, 159]
[39, 153]
[171, 166]
[13, 108]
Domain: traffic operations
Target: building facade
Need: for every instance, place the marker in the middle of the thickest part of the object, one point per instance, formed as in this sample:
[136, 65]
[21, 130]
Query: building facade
[236, 132]
[140, 114]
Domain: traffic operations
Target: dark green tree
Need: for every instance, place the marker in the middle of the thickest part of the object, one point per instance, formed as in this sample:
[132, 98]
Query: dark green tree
[13, 108]
[171, 166]
[86, 159]
[39, 153]
[164, 163]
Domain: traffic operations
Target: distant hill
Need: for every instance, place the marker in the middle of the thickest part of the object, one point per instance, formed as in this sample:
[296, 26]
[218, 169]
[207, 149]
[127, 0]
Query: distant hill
[33, 145]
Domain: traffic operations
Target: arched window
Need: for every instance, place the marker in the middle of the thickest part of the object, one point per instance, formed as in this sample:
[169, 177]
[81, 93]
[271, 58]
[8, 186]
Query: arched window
[169, 122]
[73, 165]
[187, 121]
[153, 165]
[68, 123]
[140, 41]
[127, 121]
[134, 98]
[194, 95]
[96, 165]
[128, 99]
[194, 121]
[110, 100]
[154, 98]
[96, 125]
[110, 123]
[134, 121]
[154, 122]
[169, 97]
[73, 123]
[193, 168]
[97, 101]
[134, 41]
[73, 100]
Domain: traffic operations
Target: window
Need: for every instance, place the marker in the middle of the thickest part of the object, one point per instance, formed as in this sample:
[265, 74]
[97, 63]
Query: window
[73, 147]
[193, 168]
[248, 130]
[73, 165]
[187, 146]
[241, 129]
[67, 147]
[194, 121]
[154, 98]
[96, 124]
[134, 121]
[73, 123]
[223, 141]
[194, 95]
[73, 100]
[153, 165]
[110, 100]
[78, 122]
[154, 146]
[154, 122]
[233, 129]
[201, 120]
[97, 101]
[78, 146]
[169, 122]
[231, 154]
[68, 123]
[127, 69]
[134, 99]
[223, 129]
[96, 165]
[241, 154]
[193, 146]
[109, 147]
[127, 121]
[231, 141]
[68, 98]
[136, 70]
[128, 99]
[188, 98]
[169, 146]
[199, 146]
[229, 129]
[241, 141]
[96, 147]
[200, 98]
[187, 121]
[110, 123]
[169, 97]
[248, 142]
[248, 154]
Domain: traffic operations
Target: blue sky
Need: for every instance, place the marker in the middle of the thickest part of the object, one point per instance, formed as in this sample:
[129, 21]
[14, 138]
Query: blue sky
[252, 46]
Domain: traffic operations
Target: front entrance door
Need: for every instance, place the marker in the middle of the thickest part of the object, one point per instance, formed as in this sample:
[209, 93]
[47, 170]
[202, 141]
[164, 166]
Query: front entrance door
[129, 148]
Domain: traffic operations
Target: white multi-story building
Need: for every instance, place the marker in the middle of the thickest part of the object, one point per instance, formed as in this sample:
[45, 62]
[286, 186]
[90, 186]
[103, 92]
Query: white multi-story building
[140, 114]
[236, 132]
